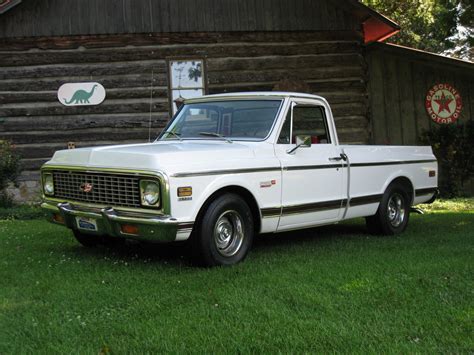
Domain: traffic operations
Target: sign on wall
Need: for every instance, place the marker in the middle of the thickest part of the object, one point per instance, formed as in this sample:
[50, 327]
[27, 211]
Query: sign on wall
[443, 104]
[81, 94]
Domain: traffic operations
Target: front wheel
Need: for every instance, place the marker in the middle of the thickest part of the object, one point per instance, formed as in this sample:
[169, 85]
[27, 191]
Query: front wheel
[393, 212]
[225, 232]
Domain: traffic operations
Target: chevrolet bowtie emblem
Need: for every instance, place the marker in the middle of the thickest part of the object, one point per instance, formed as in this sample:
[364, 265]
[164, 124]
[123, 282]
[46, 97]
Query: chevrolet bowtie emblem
[86, 187]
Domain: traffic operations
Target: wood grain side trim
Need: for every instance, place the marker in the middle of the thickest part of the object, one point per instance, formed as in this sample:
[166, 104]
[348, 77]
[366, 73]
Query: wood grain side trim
[319, 206]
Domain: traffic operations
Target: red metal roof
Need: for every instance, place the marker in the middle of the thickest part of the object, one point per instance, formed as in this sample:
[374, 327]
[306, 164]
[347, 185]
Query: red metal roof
[377, 31]
[376, 26]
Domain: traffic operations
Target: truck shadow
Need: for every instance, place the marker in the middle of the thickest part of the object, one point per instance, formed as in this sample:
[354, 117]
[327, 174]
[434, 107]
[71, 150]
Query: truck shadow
[316, 235]
[131, 252]
[179, 254]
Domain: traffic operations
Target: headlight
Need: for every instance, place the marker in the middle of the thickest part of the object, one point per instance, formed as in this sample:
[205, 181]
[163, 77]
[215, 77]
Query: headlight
[150, 191]
[48, 184]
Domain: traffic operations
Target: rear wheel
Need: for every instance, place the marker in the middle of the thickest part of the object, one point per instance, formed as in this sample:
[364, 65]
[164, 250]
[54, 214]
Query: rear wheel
[225, 232]
[393, 213]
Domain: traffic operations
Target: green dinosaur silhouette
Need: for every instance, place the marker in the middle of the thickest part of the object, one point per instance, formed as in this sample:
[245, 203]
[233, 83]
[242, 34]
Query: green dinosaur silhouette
[81, 96]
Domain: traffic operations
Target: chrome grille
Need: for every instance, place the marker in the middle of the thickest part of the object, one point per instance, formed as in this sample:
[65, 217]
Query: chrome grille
[107, 189]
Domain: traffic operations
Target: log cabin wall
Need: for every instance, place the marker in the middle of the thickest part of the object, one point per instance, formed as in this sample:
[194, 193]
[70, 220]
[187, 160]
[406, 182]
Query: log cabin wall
[134, 71]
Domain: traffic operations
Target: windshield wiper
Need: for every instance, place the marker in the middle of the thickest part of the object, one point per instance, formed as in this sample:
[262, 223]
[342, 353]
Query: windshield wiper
[212, 134]
[177, 135]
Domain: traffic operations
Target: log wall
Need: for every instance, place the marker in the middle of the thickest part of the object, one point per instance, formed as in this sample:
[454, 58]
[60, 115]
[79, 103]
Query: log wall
[133, 68]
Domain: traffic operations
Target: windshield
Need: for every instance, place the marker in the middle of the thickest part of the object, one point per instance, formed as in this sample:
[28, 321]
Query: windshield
[233, 119]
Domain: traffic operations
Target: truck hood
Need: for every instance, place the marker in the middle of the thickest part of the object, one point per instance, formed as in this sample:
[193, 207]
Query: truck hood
[160, 156]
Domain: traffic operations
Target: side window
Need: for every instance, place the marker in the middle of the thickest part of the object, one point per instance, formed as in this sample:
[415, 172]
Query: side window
[285, 133]
[307, 121]
[310, 121]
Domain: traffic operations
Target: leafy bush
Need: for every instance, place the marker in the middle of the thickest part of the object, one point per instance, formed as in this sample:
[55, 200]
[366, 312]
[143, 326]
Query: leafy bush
[452, 145]
[9, 171]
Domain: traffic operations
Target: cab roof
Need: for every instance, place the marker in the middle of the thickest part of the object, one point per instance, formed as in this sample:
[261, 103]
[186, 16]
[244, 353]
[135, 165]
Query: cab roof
[255, 95]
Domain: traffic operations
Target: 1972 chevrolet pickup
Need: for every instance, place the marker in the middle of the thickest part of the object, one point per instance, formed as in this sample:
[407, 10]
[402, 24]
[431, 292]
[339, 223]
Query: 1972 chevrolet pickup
[230, 166]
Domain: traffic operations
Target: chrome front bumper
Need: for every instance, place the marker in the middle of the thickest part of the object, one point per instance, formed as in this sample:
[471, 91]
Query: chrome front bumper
[109, 221]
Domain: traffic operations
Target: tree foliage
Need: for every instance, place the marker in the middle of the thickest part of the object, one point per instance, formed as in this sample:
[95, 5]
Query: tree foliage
[464, 39]
[439, 26]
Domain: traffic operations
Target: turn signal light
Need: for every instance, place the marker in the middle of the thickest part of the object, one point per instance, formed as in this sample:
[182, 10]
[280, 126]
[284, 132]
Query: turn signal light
[129, 229]
[58, 218]
[185, 191]
[432, 173]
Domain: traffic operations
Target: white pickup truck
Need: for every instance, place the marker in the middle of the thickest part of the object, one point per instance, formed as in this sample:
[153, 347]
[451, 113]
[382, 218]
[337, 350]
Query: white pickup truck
[230, 166]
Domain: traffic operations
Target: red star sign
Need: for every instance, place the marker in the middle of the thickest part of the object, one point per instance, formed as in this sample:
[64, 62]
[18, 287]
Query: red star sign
[443, 103]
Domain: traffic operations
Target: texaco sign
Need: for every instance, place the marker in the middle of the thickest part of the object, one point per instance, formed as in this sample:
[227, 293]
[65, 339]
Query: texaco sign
[443, 104]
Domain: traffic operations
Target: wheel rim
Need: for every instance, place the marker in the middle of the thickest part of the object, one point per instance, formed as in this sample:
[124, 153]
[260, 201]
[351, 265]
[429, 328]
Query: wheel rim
[396, 210]
[228, 233]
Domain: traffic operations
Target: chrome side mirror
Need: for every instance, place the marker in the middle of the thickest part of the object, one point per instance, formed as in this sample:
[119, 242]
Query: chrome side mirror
[301, 142]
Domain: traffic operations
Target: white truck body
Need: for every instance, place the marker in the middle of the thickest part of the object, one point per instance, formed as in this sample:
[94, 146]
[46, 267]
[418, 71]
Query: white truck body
[316, 185]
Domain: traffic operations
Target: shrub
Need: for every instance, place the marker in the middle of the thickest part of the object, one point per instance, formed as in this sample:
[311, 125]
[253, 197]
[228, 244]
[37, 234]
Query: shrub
[452, 145]
[9, 171]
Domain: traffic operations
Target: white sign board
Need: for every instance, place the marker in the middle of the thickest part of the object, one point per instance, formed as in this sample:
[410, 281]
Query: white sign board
[81, 94]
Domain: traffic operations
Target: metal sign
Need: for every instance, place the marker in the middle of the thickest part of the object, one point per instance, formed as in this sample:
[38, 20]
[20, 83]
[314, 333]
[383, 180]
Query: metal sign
[81, 94]
[443, 104]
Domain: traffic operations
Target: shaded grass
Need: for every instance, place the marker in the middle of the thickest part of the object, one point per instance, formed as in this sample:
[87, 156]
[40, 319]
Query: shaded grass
[329, 289]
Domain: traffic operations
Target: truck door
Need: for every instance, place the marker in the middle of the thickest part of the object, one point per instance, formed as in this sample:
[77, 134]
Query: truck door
[312, 178]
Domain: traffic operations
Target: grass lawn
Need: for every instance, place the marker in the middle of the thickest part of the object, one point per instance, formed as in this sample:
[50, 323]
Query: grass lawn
[332, 289]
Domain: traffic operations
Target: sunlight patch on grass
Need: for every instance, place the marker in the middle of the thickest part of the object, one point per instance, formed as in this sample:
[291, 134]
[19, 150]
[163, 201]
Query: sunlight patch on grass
[453, 205]
[9, 305]
[356, 285]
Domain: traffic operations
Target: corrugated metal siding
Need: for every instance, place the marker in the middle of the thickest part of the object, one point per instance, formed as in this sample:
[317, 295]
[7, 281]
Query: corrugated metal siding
[82, 17]
[399, 80]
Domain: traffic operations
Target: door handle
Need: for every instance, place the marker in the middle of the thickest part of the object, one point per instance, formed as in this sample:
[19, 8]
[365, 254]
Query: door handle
[342, 156]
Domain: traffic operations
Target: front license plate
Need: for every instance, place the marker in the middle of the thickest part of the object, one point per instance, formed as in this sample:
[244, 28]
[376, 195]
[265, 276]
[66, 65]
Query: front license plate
[85, 223]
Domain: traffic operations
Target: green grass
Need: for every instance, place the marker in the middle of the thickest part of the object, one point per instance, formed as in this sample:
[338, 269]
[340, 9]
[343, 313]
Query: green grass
[332, 289]
[23, 212]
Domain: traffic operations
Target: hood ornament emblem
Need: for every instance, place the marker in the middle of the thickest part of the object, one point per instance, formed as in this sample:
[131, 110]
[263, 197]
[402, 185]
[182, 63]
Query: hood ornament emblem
[86, 187]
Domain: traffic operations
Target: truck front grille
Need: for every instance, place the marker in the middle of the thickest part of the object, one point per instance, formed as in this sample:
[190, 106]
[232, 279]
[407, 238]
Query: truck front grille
[105, 189]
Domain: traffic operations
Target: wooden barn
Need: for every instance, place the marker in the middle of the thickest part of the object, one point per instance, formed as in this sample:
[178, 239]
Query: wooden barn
[138, 49]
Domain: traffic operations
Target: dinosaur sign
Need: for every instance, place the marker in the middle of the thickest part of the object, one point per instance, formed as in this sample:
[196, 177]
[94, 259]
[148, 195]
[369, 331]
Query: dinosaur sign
[81, 94]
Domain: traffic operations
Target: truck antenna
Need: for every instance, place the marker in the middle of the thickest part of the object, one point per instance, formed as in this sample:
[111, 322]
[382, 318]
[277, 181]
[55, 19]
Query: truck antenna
[151, 107]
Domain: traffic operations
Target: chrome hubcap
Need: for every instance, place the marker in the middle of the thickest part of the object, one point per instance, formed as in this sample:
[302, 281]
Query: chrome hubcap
[396, 210]
[228, 233]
